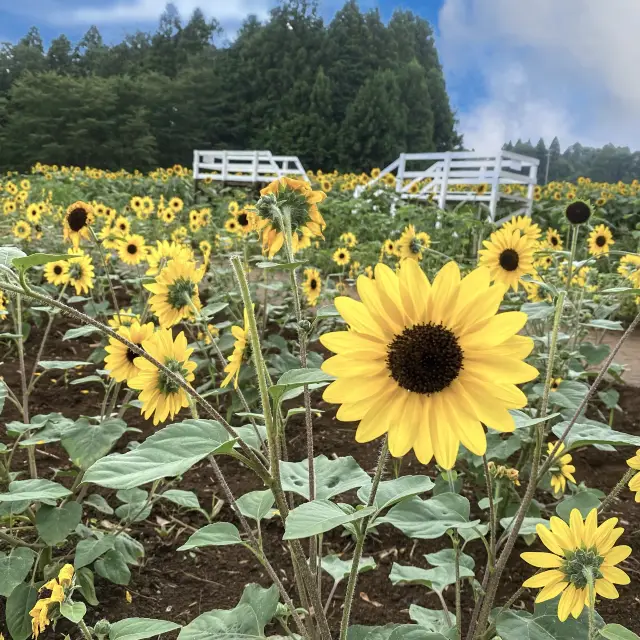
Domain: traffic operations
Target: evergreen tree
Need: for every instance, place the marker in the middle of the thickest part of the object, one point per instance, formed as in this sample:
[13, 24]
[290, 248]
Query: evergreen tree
[414, 90]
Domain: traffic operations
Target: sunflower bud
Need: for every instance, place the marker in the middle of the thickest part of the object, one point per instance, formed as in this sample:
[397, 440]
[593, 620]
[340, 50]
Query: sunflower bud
[102, 628]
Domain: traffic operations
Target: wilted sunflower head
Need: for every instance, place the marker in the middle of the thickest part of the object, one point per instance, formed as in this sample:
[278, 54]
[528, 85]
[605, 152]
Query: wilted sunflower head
[578, 211]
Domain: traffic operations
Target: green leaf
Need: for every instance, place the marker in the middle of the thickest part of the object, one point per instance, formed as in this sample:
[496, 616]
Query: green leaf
[569, 394]
[84, 578]
[78, 332]
[86, 379]
[617, 632]
[537, 310]
[3, 394]
[38, 259]
[448, 556]
[319, 516]
[328, 311]
[600, 323]
[9, 254]
[99, 503]
[19, 603]
[182, 498]
[217, 534]
[63, 364]
[430, 619]
[427, 519]
[73, 611]
[528, 527]
[392, 492]
[609, 398]
[240, 623]
[167, 453]
[523, 421]
[14, 568]
[264, 602]
[393, 632]
[585, 434]
[340, 569]
[437, 578]
[113, 567]
[54, 524]
[86, 443]
[89, 550]
[594, 354]
[140, 628]
[131, 550]
[332, 476]
[285, 266]
[298, 378]
[585, 501]
[256, 504]
[39, 490]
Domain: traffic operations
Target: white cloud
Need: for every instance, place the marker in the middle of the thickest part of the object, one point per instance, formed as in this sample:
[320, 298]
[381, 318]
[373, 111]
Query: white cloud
[226, 11]
[548, 68]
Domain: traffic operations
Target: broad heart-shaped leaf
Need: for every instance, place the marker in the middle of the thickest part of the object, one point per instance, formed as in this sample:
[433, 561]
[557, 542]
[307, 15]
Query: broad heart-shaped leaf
[78, 332]
[239, 623]
[569, 394]
[86, 443]
[585, 501]
[319, 516]
[99, 503]
[431, 619]
[112, 566]
[437, 578]
[63, 364]
[339, 569]
[427, 519]
[394, 632]
[391, 492]
[617, 632]
[73, 611]
[448, 556]
[14, 568]
[167, 453]
[332, 476]
[256, 504]
[217, 534]
[38, 259]
[528, 527]
[585, 434]
[264, 602]
[140, 628]
[19, 603]
[298, 378]
[601, 323]
[9, 254]
[89, 550]
[54, 524]
[543, 624]
[594, 354]
[39, 490]
[182, 498]
[609, 398]
[132, 551]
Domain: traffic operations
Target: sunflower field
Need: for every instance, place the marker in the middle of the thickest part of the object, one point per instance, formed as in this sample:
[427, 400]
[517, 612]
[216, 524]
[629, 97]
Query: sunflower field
[293, 413]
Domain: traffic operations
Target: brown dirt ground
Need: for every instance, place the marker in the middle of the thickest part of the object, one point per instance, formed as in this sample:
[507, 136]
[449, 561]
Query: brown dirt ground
[180, 586]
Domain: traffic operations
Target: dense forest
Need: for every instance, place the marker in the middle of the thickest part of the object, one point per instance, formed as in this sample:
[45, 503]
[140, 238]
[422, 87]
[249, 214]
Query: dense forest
[351, 94]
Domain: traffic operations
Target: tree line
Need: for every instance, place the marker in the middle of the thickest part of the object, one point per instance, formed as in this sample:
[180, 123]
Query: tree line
[351, 94]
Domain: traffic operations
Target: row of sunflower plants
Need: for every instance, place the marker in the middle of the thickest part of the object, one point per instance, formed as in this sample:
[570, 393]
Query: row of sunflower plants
[422, 365]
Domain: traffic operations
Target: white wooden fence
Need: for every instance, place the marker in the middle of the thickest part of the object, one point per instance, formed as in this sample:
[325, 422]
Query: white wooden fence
[444, 170]
[244, 166]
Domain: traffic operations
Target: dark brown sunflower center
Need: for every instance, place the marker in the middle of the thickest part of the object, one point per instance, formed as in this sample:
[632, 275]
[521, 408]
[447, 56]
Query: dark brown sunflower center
[425, 358]
[243, 219]
[131, 355]
[313, 283]
[601, 241]
[509, 260]
[554, 241]
[132, 249]
[578, 212]
[57, 269]
[77, 219]
[45, 593]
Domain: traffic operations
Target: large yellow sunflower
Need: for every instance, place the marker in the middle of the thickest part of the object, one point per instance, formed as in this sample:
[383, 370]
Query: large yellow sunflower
[81, 272]
[600, 240]
[341, 257]
[57, 273]
[241, 334]
[300, 201]
[161, 396]
[412, 245]
[49, 594]
[33, 213]
[77, 220]
[312, 286]
[508, 256]
[120, 360]
[159, 256]
[525, 225]
[579, 549]
[562, 469]
[132, 249]
[125, 318]
[246, 220]
[634, 483]
[349, 239]
[175, 285]
[428, 363]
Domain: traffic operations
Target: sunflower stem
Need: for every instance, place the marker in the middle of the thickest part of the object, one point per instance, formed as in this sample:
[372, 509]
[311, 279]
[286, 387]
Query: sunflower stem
[357, 554]
[592, 602]
[85, 630]
[103, 259]
[456, 547]
[574, 246]
[492, 512]
[617, 489]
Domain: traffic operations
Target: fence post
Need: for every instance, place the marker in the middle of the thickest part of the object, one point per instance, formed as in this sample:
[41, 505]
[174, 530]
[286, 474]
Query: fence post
[400, 173]
[225, 171]
[444, 182]
[533, 174]
[495, 187]
[196, 155]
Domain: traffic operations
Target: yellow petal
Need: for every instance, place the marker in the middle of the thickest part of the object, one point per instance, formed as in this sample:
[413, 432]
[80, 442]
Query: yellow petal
[549, 539]
[551, 591]
[617, 554]
[542, 559]
[544, 579]
[614, 575]
[605, 589]
[567, 602]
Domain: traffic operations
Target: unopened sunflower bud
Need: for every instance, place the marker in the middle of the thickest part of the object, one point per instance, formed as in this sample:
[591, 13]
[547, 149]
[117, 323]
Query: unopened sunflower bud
[102, 628]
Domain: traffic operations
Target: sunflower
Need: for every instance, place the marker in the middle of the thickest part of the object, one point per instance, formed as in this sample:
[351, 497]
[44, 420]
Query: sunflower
[368, 271]
[233, 207]
[22, 229]
[561, 470]
[125, 318]
[122, 226]
[629, 267]
[232, 226]
[8, 207]
[136, 204]
[25, 185]
[159, 256]
[600, 240]
[175, 204]
[132, 249]
[49, 594]
[174, 292]
[525, 225]
[554, 239]
[634, 483]
[297, 199]
[11, 188]
[428, 363]
[375, 172]
[341, 257]
[246, 220]
[312, 286]
[349, 239]
[147, 206]
[81, 272]
[161, 396]
[509, 256]
[579, 549]
[77, 220]
[33, 213]
[211, 332]
[555, 384]
[600, 202]
[578, 212]
[543, 263]
[325, 185]
[57, 273]
[412, 245]
[3, 303]
[205, 249]
[241, 334]
[389, 247]
[119, 361]
[534, 292]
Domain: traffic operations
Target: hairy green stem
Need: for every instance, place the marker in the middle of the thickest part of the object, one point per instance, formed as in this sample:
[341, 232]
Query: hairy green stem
[617, 489]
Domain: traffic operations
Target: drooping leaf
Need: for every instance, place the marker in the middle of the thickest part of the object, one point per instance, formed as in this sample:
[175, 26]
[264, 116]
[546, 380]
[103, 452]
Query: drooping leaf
[217, 534]
[39, 490]
[78, 332]
[437, 578]
[140, 628]
[182, 498]
[586, 434]
[54, 524]
[113, 567]
[89, 550]
[434, 620]
[528, 525]
[298, 378]
[17, 617]
[99, 503]
[319, 516]
[256, 504]
[84, 578]
[86, 443]
[264, 602]
[239, 623]
[73, 611]
[63, 364]
[339, 569]
[391, 492]
[9, 254]
[38, 259]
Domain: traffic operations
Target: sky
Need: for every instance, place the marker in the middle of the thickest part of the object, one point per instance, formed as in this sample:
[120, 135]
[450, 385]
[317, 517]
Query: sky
[514, 69]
